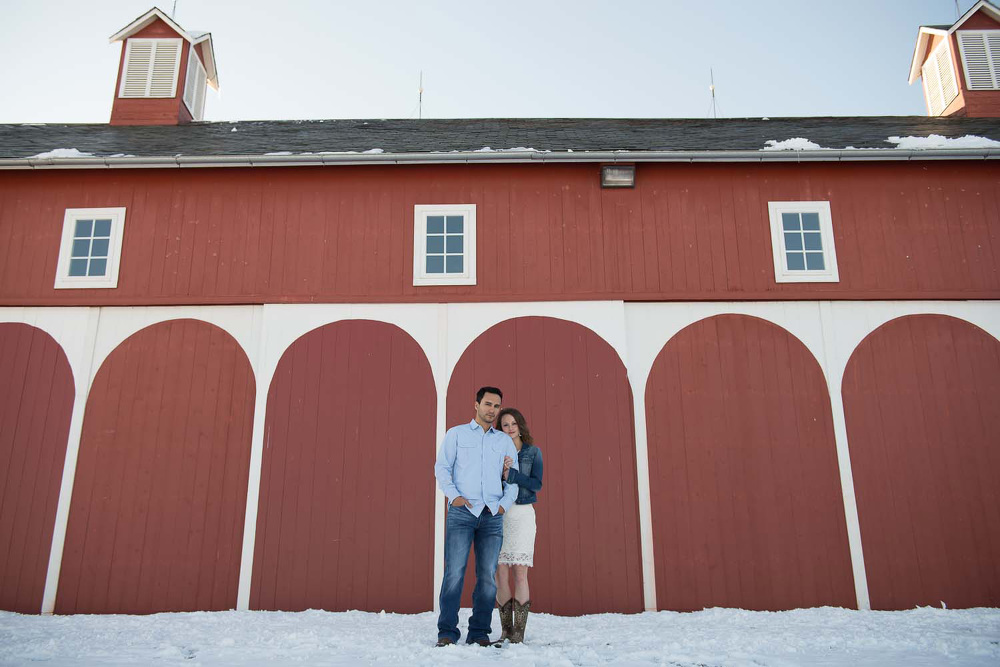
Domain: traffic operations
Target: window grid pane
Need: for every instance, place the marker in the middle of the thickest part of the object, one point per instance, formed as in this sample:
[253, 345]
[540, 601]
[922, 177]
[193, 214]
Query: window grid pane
[83, 228]
[78, 267]
[81, 248]
[813, 241]
[102, 228]
[445, 247]
[99, 247]
[435, 224]
[801, 232]
[790, 222]
[98, 267]
[435, 264]
[796, 261]
[91, 243]
[814, 261]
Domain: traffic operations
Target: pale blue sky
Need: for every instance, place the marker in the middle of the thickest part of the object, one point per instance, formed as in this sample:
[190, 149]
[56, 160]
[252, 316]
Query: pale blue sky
[297, 59]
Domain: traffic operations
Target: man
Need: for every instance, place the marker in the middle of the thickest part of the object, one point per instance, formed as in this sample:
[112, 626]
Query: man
[468, 470]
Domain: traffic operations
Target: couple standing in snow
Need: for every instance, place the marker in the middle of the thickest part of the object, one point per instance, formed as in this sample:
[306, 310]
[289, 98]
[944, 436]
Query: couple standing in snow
[490, 478]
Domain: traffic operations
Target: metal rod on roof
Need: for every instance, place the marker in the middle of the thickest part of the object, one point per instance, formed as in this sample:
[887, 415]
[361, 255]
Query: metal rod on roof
[173, 12]
[711, 74]
[420, 97]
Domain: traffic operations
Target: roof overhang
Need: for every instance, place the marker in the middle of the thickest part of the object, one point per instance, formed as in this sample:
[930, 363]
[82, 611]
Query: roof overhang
[923, 36]
[204, 38]
[211, 72]
[505, 157]
[925, 33]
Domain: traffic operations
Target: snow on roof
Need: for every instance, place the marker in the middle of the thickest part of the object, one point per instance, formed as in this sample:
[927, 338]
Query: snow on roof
[794, 144]
[934, 141]
[62, 153]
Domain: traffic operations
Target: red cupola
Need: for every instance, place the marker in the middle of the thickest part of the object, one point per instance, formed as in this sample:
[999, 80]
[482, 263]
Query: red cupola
[960, 64]
[163, 73]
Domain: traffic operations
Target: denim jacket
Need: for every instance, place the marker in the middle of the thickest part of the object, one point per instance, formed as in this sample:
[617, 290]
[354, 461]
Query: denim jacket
[529, 477]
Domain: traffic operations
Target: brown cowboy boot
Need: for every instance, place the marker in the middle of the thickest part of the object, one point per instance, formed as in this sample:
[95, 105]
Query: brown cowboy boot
[520, 620]
[506, 619]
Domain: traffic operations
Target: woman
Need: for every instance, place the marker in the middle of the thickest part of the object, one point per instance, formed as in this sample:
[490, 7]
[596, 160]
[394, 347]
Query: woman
[518, 550]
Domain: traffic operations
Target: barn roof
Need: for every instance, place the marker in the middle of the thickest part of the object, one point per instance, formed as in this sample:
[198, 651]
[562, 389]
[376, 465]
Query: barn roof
[493, 140]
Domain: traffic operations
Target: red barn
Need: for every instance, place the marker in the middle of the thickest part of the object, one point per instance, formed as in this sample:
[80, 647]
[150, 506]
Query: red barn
[762, 378]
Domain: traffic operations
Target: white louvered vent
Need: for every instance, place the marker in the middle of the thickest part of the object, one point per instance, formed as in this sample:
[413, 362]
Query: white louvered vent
[939, 80]
[151, 68]
[194, 86]
[980, 59]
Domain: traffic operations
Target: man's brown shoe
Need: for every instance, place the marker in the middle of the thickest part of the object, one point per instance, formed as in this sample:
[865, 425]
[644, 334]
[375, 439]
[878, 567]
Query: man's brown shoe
[444, 641]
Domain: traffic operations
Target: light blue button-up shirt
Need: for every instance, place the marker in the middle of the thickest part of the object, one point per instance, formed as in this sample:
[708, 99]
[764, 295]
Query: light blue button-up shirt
[470, 463]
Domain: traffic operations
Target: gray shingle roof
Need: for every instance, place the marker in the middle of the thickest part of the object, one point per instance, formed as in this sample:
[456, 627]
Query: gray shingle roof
[445, 135]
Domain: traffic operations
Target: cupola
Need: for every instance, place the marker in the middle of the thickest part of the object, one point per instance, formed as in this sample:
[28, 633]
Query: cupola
[163, 73]
[960, 64]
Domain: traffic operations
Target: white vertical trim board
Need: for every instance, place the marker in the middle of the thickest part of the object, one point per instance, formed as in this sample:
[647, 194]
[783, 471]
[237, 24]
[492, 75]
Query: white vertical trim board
[263, 383]
[834, 378]
[440, 428]
[643, 491]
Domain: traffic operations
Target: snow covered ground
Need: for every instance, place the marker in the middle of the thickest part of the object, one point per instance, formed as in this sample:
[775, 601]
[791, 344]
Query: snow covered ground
[709, 638]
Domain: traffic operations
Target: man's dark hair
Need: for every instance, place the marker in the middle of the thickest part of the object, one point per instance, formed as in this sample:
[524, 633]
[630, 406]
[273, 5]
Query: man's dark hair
[487, 390]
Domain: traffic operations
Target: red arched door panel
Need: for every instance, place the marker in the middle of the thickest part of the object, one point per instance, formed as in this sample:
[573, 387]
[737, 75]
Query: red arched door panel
[747, 507]
[156, 519]
[574, 393]
[346, 516]
[36, 405]
[922, 403]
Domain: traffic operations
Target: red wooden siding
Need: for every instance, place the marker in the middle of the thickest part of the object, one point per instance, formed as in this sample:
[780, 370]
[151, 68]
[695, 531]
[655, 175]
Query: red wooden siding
[36, 404]
[574, 393]
[156, 519]
[746, 500]
[922, 403]
[346, 514]
[345, 234]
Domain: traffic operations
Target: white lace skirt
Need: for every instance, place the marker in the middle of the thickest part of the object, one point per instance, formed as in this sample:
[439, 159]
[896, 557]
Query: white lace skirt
[518, 536]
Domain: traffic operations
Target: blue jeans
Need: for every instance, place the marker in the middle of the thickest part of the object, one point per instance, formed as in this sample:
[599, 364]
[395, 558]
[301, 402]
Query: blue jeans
[462, 530]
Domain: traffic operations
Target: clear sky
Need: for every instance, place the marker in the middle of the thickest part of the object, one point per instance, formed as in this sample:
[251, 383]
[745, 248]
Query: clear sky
[301, 59]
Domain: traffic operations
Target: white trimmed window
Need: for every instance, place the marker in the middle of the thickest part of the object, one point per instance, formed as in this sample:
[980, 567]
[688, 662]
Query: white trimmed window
[195, 85]
[91, 248]
[151, 68]
[980, 58]
[444, 244]
[802, 239]
[938, 75]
